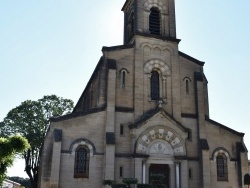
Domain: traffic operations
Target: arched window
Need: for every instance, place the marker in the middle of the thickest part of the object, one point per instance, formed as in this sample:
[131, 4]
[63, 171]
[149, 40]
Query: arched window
[187, 87]
[221, 162]
[81, 162]
[155, 85]
[123, 78]
[154, 21]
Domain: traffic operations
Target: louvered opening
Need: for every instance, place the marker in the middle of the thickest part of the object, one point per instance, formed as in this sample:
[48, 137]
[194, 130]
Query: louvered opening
[154, 21]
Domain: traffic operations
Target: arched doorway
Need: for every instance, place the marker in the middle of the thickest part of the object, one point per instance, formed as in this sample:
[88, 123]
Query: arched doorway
[159, 175]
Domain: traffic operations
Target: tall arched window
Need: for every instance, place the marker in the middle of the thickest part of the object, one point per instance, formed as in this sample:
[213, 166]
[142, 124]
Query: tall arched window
[123, 77]
[154, 21]
[187, 87]
[221, 162]
[155, 85]
[81, 162]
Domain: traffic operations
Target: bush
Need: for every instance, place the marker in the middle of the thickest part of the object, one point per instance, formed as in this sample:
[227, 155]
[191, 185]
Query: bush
[118, 185]
[130, 181]
[144, 186]
[108, 182]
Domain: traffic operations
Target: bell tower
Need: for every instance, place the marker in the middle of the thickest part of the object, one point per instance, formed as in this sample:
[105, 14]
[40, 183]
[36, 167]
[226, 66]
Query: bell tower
[150, 18]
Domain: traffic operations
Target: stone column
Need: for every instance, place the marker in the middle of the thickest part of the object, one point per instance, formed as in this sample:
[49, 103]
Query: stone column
[109, 171]
[177, 175]
[164, 87]
[138, 169]
[206, 169]
[56, 159]
[184, 174]
[144, 172]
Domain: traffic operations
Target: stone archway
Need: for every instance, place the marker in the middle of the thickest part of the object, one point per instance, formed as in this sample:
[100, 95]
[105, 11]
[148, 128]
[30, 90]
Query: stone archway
[161, 144]
[168, 138]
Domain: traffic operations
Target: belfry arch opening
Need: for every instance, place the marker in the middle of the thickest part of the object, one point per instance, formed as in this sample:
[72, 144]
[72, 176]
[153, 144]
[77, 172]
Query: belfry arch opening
[155, 21]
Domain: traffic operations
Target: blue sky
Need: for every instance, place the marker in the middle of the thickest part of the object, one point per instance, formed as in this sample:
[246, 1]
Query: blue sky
[52, 47]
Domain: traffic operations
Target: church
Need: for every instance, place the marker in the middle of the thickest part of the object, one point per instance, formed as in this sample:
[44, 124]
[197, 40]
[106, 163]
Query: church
[143, 112]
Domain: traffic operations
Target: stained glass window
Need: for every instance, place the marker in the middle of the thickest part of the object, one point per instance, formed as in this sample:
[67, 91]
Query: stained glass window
[81, 162]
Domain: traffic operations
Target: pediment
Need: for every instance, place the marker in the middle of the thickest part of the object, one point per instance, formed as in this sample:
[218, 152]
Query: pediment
[157, 117]
[159, 134]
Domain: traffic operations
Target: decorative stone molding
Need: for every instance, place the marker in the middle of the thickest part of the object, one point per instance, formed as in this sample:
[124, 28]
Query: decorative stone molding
[155, 46]
[220, 150]
[163, 7]
[159, 65]
[110, 138]
[58, 135]
[82, 142]
[160, 140]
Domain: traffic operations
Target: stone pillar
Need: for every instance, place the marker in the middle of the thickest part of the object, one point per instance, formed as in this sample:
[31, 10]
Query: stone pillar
[56, 159]
[206, 169]
[138, 169]
[176, 80]
[200, 100]
[177, 175]
[172, 175]
[184, 174]
[144, 172]
[138, 82]
[164, 87]
[109, 171]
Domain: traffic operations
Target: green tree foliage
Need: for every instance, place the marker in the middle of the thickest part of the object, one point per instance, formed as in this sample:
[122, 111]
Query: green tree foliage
[247, 179]
[9, 147]
[31, 120]
[130, 181]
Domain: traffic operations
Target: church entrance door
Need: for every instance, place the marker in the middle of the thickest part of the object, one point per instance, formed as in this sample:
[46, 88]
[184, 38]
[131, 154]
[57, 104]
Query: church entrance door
[159, 175]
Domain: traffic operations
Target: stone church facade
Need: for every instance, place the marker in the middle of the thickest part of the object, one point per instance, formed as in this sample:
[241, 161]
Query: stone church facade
[144, 111]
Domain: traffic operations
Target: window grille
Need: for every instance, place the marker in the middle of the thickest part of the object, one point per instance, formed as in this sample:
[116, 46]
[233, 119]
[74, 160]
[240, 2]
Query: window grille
[81, 162]
[221, 162]
[154, 21]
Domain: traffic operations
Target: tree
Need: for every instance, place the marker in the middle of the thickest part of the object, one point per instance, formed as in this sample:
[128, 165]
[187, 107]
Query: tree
[23, 181]
[247, 179]
[9, 147]
[31, 120]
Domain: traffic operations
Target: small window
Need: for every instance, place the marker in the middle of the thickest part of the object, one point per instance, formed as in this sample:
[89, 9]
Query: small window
[123, 78]
[190, 174]
[81, 162]
[221, 162]
[121, 171]
[154, 21]
[187, 87]
[189, 135]
[155, 85]
[121, 129]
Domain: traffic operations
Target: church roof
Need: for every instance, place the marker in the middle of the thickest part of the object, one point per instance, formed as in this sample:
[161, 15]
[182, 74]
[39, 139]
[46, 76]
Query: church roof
[224, 127]
[201, 63]
[118, 47]
[78, 114]
[146, 116]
